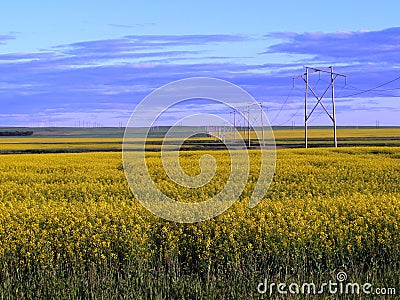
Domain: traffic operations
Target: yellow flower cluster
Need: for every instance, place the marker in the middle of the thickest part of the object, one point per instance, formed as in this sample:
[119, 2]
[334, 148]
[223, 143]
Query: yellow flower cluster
[324, 206]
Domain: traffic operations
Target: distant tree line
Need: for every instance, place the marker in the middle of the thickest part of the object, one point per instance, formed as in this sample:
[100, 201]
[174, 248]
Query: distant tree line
[15, 133]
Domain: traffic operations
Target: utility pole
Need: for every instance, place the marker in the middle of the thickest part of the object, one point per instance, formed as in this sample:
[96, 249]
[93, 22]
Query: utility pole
[305, 112]
[248, 123]
[244, 124]
[262, 124]
[224, 135]
[305, 77]
[234, 125]
[333, 106]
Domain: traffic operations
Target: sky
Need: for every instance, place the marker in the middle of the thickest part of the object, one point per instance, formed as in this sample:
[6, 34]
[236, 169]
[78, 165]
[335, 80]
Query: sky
[76, 63]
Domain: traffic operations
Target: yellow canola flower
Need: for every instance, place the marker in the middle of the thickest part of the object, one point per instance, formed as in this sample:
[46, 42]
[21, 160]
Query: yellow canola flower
[324, 204]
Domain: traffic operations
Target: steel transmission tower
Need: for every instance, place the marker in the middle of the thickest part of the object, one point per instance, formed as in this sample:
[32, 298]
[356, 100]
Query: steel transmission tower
[331, 86]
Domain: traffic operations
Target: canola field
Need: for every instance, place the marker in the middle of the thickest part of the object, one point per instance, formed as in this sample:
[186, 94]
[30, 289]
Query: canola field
[71, 228]
[284, 138]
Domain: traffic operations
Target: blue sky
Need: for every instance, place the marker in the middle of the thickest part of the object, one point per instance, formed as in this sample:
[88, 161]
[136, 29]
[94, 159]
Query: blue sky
[65, 63]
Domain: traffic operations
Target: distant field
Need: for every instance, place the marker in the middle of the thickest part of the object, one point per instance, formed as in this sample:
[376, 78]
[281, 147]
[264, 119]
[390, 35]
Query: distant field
[111, 132]
[49, 144]
[110, 139]
[279, 132]
[342, 133]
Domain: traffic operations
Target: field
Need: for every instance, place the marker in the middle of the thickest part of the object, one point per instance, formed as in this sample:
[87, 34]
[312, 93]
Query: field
[71, 228]
[51, 140]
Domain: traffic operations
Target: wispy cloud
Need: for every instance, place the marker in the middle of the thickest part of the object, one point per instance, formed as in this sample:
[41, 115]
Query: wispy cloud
[347, 46]
[111, 76]
[146, 42]
[6, 37]
[137, 25]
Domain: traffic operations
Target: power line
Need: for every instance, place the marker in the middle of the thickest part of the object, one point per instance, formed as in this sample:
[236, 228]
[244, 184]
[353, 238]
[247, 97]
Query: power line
[385, 90]
[371, 89]
[300, 108]
[376, 92]
[293, 115]
[284, 103]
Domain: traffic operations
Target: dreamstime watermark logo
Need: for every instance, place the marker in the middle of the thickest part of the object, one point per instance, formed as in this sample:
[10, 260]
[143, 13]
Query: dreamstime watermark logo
[340, 286]
[224, 96]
